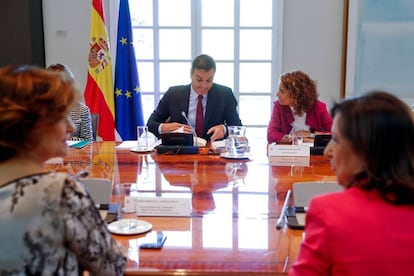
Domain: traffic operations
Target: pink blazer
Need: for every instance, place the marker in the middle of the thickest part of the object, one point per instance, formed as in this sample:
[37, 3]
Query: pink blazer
[355, 232]
[317, 119]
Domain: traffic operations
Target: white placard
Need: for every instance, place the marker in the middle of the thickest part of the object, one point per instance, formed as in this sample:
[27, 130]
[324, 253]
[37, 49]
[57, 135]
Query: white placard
[127, 144]
[288, 150]
[163, 206]
[303, 161]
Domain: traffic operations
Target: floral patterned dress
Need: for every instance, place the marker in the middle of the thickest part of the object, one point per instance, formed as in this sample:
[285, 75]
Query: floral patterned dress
[49, 225]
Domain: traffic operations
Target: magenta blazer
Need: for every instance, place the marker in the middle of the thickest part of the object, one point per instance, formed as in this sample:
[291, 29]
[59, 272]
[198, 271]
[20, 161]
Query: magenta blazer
[355, 232]
[318, 119]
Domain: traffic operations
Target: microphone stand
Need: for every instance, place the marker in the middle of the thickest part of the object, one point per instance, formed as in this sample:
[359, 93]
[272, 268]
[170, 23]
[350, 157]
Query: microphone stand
[192, 129]
[282, 215]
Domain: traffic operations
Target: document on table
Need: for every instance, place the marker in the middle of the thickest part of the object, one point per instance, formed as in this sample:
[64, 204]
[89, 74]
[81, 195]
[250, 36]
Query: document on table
[133, 144]
[160, 206]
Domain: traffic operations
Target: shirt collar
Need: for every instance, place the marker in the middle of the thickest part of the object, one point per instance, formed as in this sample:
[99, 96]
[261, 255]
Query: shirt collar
[194, 95]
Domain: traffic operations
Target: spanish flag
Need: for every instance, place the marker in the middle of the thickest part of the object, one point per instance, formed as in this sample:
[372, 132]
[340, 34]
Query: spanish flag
[99, 95]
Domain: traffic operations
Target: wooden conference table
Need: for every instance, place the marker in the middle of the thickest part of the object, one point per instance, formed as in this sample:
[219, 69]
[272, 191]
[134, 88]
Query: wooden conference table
[235, 205]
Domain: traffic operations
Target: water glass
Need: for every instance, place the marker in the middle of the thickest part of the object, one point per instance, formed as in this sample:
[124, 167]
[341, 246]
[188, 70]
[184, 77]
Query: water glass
[236, 142]
[142, 137]
[297, 140]
[126, 195]
[297, 137]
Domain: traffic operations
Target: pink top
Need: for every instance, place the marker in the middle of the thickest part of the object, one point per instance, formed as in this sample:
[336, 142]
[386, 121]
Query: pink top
[318, 119]
[355, 232]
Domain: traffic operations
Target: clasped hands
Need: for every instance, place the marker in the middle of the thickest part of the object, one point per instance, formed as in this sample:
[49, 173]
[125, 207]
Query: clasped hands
[307, 136]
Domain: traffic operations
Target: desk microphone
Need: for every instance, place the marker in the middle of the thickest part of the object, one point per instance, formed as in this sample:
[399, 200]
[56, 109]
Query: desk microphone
[188, 122]
[282, 216]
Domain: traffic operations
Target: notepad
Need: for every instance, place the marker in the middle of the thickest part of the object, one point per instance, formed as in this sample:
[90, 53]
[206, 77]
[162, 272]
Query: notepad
[78, 144]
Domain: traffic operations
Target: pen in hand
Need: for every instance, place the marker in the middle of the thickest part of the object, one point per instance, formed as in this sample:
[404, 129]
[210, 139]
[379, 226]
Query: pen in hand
[282, 215]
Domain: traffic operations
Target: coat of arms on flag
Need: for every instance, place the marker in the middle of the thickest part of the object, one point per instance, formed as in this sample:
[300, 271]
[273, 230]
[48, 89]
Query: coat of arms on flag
[99, 54]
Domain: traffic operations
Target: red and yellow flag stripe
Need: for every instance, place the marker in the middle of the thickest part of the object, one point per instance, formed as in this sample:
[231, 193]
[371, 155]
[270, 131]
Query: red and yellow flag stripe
[99, 94]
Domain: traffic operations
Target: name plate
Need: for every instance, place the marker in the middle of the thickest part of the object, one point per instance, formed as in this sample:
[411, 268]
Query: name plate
[288, 150]
[163, 206]
[287, 161]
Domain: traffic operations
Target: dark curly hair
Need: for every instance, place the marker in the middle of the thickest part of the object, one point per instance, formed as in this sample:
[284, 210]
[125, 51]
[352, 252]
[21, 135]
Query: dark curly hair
[380, 129]
[31, 98]
[302, 89]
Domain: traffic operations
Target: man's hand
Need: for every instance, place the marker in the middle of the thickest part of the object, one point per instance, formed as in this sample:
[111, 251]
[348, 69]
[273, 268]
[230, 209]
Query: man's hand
[218, 132]
[171, 127]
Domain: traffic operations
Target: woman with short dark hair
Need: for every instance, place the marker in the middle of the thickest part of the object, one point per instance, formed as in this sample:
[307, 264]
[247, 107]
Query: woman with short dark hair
[367, 229]
[80, 113]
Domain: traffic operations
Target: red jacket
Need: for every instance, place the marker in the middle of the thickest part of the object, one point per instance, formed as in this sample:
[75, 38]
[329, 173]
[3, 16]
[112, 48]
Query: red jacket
[355, 232]
[318, 119]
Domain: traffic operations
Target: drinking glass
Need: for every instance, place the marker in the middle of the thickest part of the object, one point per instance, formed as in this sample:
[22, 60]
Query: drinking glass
[236, 142]
[297, 137]
[126, 195]
[142, 138]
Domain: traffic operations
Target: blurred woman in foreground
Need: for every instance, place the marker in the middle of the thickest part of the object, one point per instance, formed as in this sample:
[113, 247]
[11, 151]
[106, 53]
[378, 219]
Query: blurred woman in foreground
[49, 223]
[367, 229]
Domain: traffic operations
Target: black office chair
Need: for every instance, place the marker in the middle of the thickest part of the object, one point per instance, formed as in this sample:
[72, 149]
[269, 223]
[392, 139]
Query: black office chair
[319, 144]
[95, 122]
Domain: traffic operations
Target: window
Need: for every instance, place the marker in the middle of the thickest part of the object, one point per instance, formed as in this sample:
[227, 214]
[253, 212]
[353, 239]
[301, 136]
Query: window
[243, 36]
[380, 48]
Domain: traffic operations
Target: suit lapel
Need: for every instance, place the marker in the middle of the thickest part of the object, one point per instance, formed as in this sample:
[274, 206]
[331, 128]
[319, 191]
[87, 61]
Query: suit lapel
[182, 100]
[186, 99]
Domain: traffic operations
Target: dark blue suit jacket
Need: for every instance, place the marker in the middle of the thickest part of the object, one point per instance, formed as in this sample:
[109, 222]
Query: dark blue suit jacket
[221, 108]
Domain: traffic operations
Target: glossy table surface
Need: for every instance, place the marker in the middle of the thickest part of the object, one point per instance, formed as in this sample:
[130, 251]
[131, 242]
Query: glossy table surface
[235, 205]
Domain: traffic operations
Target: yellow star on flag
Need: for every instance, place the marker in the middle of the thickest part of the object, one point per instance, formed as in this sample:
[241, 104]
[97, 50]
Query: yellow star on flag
[123, 40]
[118, 92]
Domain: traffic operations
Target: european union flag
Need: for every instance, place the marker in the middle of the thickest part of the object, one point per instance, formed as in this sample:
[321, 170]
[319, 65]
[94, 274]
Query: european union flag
[128, 103]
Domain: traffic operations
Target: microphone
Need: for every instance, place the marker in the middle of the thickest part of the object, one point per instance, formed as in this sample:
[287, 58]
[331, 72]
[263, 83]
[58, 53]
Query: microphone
[188, 122]
[279, 222]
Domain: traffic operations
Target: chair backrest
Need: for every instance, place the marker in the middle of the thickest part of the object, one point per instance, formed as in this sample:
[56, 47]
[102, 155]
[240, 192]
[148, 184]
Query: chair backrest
[100, 189]
[321, 140]
[95, 122]
[304, 191]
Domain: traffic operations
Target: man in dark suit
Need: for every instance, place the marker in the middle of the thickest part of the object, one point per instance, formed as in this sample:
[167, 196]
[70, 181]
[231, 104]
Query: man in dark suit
[218, 104]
